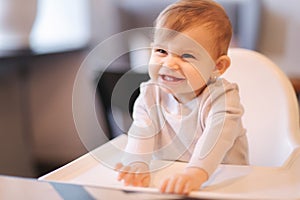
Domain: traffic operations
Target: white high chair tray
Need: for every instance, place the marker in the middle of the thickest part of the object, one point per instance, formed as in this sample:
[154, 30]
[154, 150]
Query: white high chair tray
[228, 182]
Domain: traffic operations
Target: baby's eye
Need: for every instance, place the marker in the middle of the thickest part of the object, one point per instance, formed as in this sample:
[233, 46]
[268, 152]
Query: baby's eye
[187, 56]
[161, 51]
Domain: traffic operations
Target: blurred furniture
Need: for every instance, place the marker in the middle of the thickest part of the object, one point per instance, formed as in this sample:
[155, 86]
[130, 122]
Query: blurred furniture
[27, 188]
[33, 189]
[118, 91]
[228, 182]
[16, 131]
[271, 109]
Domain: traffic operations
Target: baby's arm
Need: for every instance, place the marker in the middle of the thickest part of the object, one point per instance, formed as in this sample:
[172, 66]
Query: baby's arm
[182, 183]
[135, 174]
[135, 167]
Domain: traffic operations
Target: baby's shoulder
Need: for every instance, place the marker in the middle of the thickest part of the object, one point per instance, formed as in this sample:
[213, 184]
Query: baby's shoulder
[221, 87]
[148, 88]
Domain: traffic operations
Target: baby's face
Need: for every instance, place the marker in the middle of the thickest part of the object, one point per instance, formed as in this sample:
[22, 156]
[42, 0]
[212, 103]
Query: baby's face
[179, 64]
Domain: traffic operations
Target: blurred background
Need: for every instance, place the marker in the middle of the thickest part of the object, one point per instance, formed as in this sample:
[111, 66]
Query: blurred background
[44, 42]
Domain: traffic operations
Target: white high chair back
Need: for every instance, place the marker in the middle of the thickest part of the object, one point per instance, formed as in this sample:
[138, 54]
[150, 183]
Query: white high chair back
[271, 108]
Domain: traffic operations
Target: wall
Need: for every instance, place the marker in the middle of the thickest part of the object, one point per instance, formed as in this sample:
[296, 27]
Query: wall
[15, 151]
[36, 122]
[280, 34]
[54, 137]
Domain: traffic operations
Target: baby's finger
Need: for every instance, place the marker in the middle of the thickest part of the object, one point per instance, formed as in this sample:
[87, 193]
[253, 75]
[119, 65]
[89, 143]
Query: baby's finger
[123, 172]
[145, 182]
[187, 188]
[138, 179]
[171, 185]
[164, 185]
[129, 178]
[180, 186]
[118, 166]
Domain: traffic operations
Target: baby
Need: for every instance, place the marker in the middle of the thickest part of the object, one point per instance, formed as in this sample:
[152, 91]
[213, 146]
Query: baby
[186, 112]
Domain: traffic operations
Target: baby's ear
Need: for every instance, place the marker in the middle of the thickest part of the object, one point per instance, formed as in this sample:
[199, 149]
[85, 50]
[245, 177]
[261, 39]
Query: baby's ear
[222, 64]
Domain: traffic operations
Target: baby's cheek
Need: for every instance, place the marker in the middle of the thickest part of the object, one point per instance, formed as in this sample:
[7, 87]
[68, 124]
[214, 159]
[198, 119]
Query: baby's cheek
[196, 80]
[153, 69]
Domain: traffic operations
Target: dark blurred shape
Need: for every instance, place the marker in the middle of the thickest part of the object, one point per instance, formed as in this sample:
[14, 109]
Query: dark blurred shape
[119, 90]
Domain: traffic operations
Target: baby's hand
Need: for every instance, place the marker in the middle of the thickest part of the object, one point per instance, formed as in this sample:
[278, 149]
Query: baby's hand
[184, 183]
[135, 174]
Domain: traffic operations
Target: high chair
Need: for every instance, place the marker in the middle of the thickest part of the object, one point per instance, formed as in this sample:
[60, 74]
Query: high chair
[271, 108]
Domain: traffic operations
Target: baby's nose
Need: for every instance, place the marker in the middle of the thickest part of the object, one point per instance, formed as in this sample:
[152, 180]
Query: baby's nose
[171, 62]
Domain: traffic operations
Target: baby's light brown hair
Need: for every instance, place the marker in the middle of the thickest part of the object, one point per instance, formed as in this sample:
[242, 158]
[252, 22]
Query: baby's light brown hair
[188, 14]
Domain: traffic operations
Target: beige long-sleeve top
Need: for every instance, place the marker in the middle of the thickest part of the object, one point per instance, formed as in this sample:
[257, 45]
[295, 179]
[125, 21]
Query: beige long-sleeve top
[204, 132]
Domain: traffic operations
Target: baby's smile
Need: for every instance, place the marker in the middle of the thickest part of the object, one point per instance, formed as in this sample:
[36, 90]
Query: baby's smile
[171, 78]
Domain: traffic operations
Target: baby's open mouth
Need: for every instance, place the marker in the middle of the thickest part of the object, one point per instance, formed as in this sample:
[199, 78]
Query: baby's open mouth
[171, 78]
